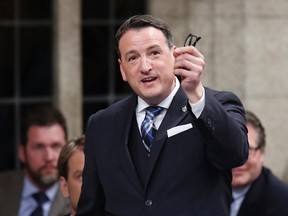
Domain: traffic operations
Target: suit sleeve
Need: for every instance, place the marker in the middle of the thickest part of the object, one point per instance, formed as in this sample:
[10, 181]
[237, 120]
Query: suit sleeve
[223, 127]
[92, 199]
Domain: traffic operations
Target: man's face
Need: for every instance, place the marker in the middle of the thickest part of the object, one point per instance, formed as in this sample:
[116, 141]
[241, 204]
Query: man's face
[40, 155]
[147, 63]
[71, 187]
[250, 171]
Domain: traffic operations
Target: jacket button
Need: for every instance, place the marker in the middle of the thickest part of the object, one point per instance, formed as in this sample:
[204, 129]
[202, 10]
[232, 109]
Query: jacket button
[148, 203]
[210, 124]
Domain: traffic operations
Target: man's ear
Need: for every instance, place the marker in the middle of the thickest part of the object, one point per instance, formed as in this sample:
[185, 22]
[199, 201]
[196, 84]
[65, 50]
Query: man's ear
[21, 153]
[64, 187]
[122, 71]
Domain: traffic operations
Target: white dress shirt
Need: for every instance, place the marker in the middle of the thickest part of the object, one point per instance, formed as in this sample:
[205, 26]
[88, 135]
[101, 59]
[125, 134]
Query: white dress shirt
[196, 108]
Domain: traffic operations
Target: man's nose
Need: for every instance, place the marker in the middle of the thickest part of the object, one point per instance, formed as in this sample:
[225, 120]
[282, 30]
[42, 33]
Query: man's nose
[146, 65]
[49, 154]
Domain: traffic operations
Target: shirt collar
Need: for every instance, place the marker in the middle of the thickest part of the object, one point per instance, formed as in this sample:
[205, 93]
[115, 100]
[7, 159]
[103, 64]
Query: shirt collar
[240, 192]
[28, 188]
[142, 105]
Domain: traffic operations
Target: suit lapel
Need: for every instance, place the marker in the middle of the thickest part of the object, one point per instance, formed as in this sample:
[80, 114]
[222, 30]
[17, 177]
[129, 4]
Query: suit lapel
[175, 114]
[251, 201]
[124, 120]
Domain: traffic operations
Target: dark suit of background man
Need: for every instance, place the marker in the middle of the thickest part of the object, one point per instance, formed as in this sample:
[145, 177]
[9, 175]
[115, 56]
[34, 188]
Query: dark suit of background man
[43, 135]
[201, 134]
[256, 191]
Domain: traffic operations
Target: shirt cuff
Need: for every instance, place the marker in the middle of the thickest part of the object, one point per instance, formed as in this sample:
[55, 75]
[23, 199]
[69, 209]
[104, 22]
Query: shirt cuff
[198, 107]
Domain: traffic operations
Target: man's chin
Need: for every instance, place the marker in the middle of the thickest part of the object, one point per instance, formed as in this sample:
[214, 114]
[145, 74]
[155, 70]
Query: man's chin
[239, 183]
[43, 178]
[48, 180]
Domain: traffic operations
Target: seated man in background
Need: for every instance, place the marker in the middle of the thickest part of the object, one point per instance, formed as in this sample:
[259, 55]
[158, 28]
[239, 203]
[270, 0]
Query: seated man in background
[70, 168]
[34, 191]
[256, 191]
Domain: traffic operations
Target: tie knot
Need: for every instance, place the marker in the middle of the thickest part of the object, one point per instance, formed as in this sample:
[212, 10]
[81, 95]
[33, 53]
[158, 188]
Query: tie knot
[40, 197]
[154, 110]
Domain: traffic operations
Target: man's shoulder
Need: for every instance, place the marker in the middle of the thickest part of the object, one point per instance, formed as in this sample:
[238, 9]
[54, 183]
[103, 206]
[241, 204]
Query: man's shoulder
[269, 188]
[274, 184]
[127, 101]
[60, 205]
[11, 176]
[120, 105]
[219, 93]
[267, 195]
[11, 183]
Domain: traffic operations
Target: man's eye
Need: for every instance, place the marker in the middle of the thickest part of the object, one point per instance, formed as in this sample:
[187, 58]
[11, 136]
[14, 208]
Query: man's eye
[78, 176]
[155, 53]
[56, 147]
[38, 147]
[132, 58]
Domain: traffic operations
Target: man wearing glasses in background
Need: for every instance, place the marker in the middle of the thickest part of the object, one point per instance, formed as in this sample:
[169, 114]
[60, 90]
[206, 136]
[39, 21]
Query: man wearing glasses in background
[256, 191]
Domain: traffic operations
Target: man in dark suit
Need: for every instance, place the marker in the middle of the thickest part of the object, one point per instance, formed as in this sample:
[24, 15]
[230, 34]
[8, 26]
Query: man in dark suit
[181, 164]
[256, 191]
[35, 190]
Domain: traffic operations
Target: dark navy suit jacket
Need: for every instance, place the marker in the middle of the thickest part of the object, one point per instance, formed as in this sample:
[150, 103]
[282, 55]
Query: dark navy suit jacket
[267, 196]
[187, 174]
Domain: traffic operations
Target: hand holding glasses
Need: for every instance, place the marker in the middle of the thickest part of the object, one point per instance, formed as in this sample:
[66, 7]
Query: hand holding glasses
[191, 40]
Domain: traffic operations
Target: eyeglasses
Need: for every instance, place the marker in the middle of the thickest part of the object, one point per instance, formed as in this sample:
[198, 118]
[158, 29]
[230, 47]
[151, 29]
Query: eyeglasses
[191, 40]
[253, 150]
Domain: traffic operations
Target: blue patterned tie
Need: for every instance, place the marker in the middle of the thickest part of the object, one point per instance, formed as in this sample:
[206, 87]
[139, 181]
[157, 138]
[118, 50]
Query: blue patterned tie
[40, 198]
[148, 129]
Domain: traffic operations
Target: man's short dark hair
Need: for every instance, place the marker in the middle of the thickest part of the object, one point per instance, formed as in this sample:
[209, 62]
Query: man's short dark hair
[142, 21]
[252, 119]
[44, 115]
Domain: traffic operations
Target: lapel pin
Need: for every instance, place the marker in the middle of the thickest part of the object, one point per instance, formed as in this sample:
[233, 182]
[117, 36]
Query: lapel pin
[184, 109]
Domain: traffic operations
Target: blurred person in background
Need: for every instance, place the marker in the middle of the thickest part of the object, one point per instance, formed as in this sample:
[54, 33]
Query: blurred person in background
[34, 191]
[70, 168]
[256, 191]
